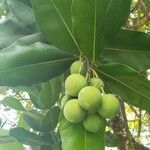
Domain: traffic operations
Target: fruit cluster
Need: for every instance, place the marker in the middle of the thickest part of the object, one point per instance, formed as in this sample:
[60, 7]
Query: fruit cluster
[85, 99]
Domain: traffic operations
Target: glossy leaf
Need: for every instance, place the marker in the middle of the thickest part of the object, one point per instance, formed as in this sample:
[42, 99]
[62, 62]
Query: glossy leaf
[127, 83]
[27, 137]
[88, 19]
[31, 39]
[75, 137]
[33, 120]
[50, 119]
[13, 103]
[47, 96]
[26, 2]
[116, 15]
[50, 92]
[25, 65]
[54, 20]
[55, 141]
[24, 13]
[10, 31]
[131, 48]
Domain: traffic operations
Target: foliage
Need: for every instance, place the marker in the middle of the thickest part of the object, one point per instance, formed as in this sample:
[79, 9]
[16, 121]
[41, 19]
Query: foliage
[39, 40]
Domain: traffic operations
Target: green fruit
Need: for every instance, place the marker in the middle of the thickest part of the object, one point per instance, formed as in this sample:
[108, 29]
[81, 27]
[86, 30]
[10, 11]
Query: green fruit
[90, 98]
[78, 67]
[64, 100]
[110, 106]
[96, 82]
[74, 83]
[73, 111]
[93, 123]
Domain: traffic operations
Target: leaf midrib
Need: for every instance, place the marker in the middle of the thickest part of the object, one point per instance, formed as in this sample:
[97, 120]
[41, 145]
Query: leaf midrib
[124, 84]
[63, 20]
[126, 50]
[94, 32]
[36, 64]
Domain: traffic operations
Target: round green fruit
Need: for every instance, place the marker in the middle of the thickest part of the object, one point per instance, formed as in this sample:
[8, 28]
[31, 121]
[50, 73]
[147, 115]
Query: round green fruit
[64, 100]
[90, 98]
[110, 106]
[73, 112]
[74, 83]
[78, 67]
[93, 123]
[96, 82]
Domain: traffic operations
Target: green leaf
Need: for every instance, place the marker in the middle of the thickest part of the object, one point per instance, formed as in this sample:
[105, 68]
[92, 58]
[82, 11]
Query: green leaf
[31, 39]
[21, 121]
[26, 2]
[9, 146]
[88, 19]
[116, 15]
[75, 137]
[127, 83]
[23, 13]
[128, 47]
[10, 31]
[111, 140]
[31, 64]
[50, 119]
[55, 141]
[48, 95]
[45, 122]
[27, 137]
[50, 92]
[13, 103]
[7, 142]
[5, 138]
[33, 120]
[54, 20]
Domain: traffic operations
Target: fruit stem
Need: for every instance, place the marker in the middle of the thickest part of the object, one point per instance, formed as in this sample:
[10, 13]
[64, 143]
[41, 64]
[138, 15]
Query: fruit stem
[94, 73]
[103, 92]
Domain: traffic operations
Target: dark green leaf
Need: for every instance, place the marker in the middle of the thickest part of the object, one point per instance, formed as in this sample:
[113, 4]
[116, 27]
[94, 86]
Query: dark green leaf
[55, 141]
[87, 19]
[13, 103]
[75, 137]
[10, 31]
[26, 2]
[50, 120]
[131, 48]
[111, 140]
[29, 64]
[33, 120]
[27, 137]
[127, 83]
[54, 20]
[116, 15]
[31, 39]
[23, 13]
[49, 93]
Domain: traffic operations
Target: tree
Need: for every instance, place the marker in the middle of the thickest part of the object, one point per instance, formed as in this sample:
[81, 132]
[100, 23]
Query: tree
[40, 40]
